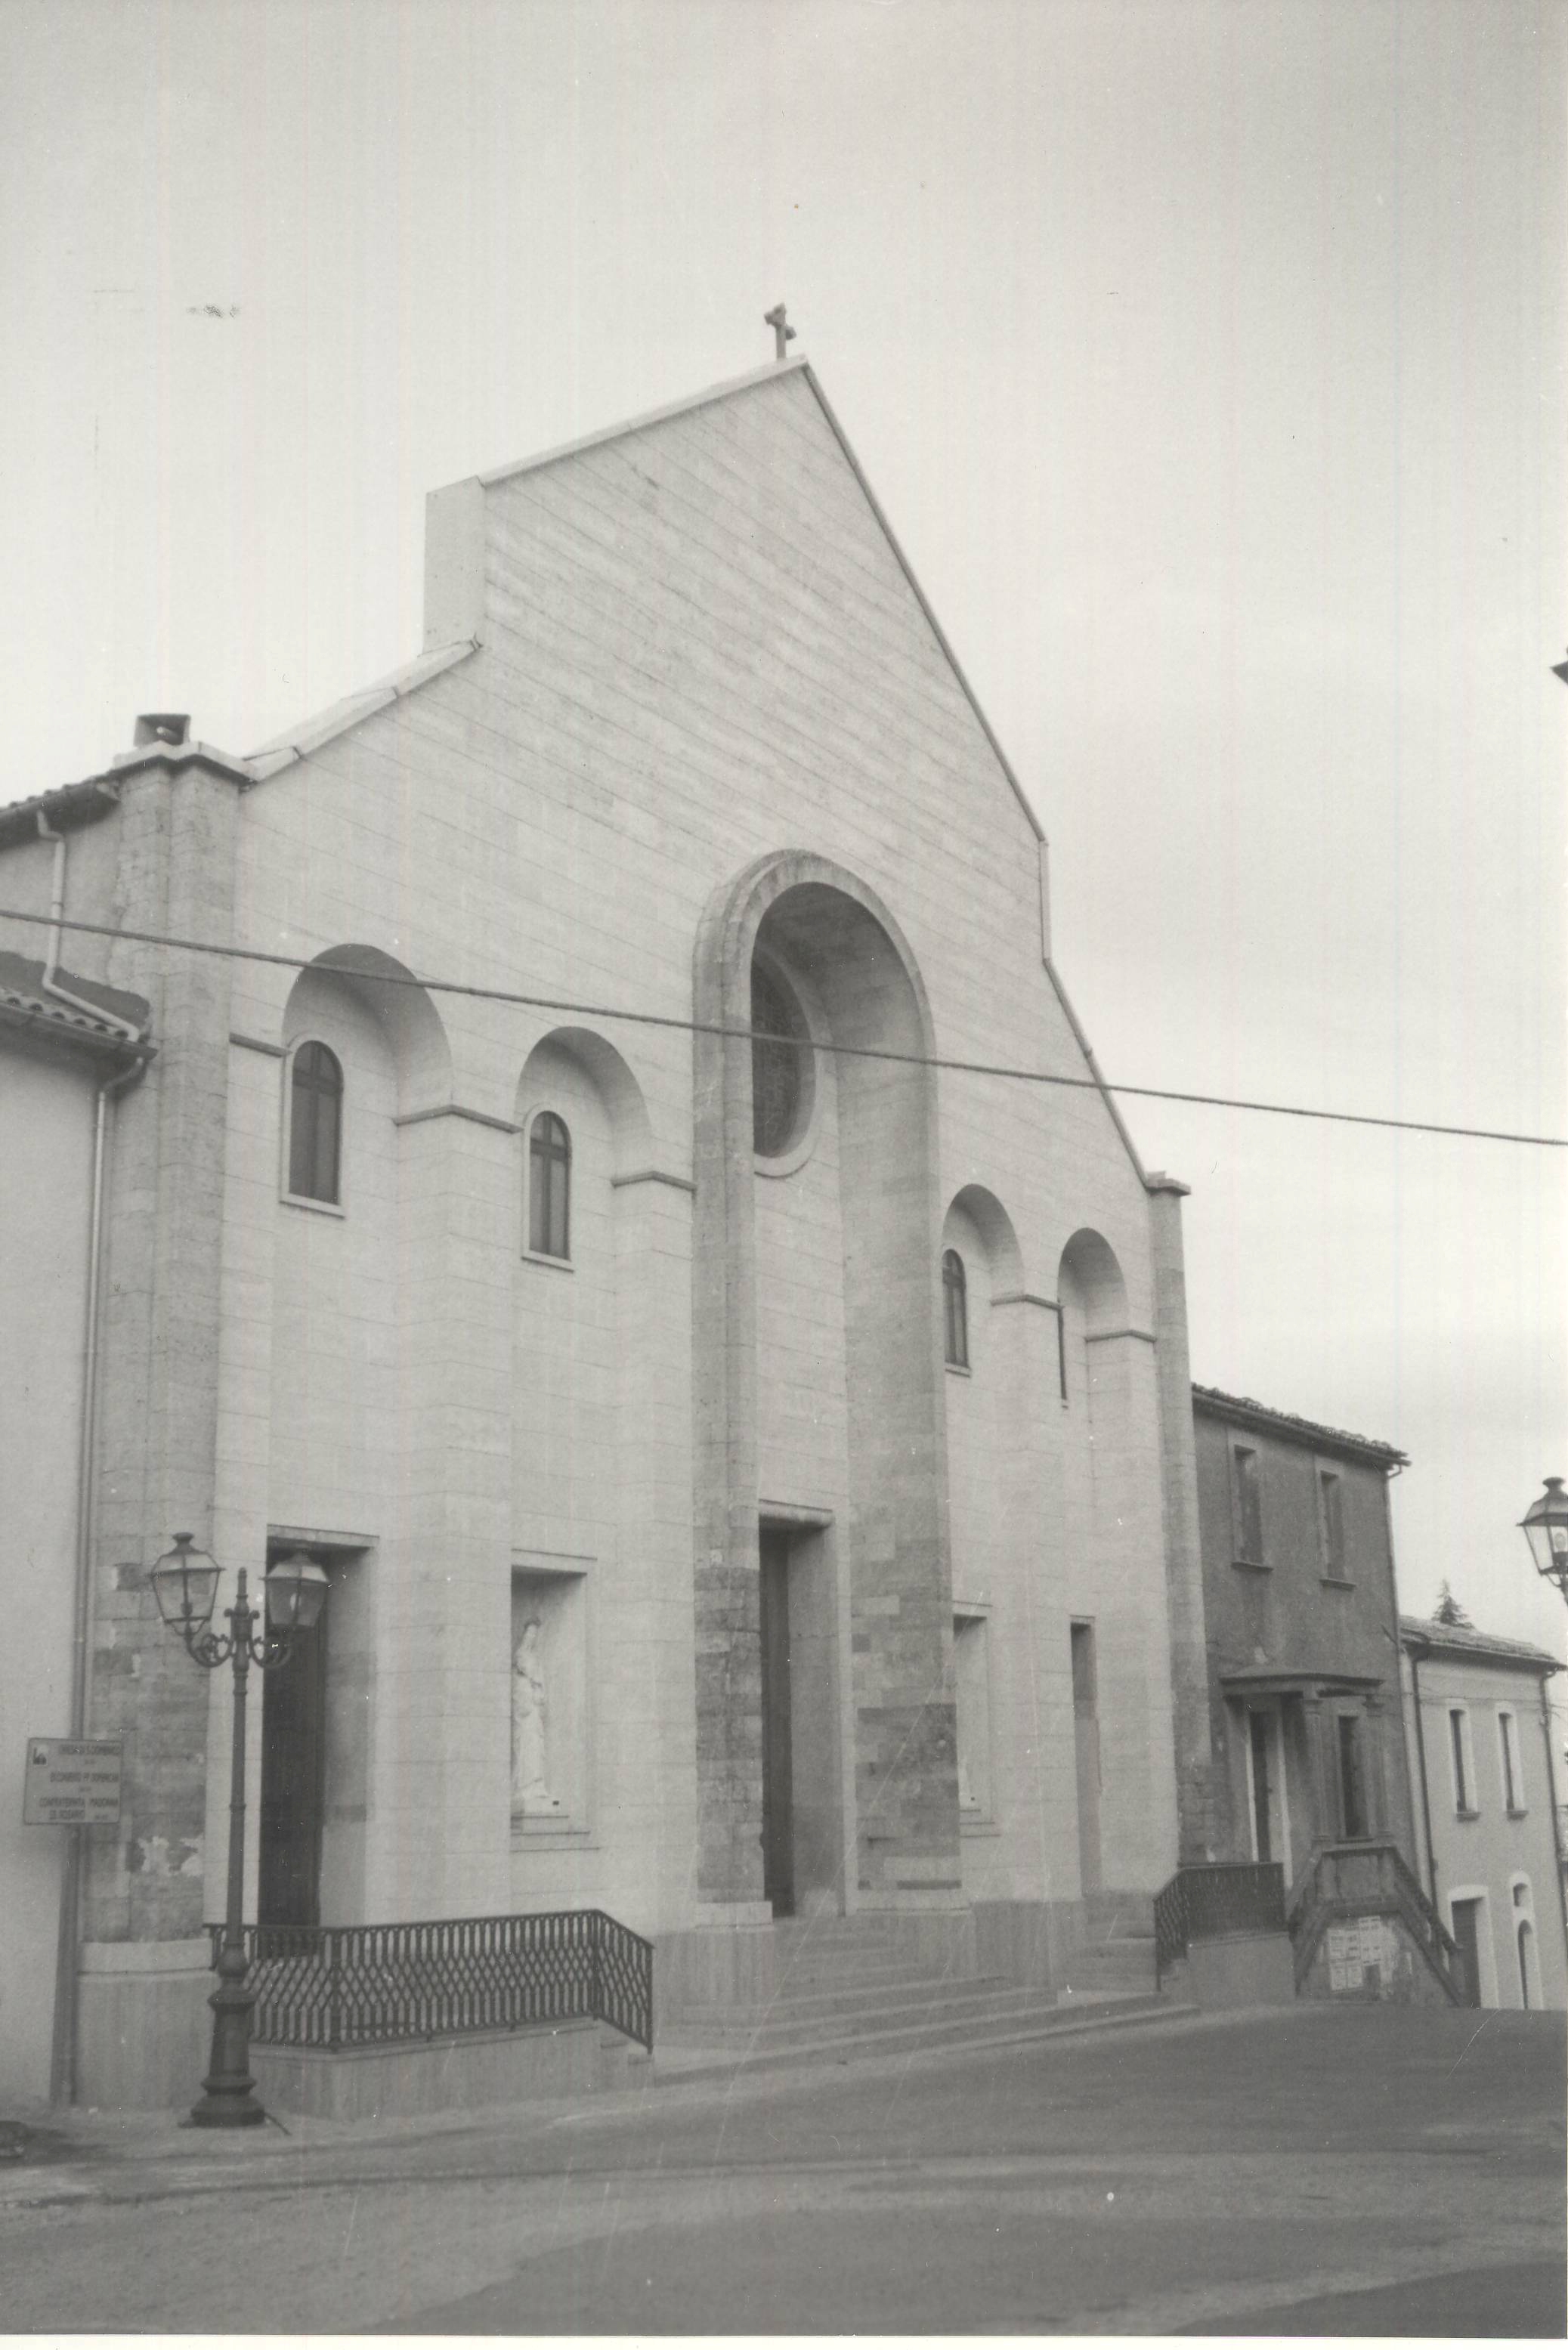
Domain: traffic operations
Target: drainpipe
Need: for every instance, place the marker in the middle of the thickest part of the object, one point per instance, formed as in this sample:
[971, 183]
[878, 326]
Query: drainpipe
[63, 2047]
[1556, 1817]
[51, 985]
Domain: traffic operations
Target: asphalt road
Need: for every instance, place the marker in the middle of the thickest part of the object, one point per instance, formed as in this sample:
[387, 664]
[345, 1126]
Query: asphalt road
[1323, 2170]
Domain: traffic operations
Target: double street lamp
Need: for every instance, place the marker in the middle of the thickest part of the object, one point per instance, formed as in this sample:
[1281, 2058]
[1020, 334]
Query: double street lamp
[1545, 1525]
[185, 1581]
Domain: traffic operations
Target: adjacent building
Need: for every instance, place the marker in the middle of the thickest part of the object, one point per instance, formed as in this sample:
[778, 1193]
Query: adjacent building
[1480, 1746]
[751, 1446]
[1310, 1770]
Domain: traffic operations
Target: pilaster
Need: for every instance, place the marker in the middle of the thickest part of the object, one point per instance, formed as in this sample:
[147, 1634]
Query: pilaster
[1183, 1552]
[159, 1359]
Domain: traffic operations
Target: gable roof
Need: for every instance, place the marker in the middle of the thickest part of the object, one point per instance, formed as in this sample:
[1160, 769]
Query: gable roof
[1481, 1648]
[737, 385]
[1247, 1413]
[308, 734]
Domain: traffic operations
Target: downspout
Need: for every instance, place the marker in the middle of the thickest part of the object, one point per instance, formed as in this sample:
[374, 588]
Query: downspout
[1556, 1816]
[127, 1028]
[63, 2048]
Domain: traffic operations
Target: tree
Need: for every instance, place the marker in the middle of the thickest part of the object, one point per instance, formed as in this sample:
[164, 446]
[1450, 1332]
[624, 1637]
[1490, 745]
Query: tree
[1448, 1611]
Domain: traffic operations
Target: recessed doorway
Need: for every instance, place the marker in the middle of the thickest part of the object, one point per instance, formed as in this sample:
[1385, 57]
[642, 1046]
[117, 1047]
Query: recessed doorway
[778, 1742]
[293, 1782]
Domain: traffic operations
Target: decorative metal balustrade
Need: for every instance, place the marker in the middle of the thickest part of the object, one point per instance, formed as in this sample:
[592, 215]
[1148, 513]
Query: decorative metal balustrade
[1210, 1899]
[367, 1986]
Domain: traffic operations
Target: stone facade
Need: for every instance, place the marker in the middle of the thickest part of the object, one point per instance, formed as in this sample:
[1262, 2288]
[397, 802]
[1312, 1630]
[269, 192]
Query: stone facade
[683, 713]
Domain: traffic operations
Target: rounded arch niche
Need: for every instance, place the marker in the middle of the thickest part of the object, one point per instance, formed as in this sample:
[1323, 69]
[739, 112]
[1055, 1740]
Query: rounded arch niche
[832, 936]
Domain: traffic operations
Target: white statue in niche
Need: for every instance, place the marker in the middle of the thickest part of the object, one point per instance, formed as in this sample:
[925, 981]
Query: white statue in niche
[530, 1787]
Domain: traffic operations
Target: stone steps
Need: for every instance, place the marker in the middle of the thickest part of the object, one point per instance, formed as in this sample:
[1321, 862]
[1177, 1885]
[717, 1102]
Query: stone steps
[787, 2019]
[851, 1987]
[976, 2034]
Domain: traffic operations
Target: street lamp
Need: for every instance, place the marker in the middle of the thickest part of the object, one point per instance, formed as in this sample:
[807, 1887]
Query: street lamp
[185, 1582]
[1545, 1525]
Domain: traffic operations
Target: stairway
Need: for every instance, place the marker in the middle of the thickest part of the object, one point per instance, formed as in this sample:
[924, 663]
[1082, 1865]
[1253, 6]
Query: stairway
[848, 1987]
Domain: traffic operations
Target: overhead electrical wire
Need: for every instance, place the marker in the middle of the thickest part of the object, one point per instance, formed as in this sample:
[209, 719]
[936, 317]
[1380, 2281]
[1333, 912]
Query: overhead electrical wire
[766, 1036]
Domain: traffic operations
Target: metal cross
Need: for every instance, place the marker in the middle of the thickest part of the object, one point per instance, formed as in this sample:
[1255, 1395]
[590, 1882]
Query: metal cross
[782, 334]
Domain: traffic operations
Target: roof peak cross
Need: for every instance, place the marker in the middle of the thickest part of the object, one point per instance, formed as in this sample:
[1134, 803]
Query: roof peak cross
[783, 332]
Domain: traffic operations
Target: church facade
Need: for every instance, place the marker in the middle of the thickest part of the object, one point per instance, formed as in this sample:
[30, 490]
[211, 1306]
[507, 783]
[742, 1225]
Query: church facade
[750, 1445]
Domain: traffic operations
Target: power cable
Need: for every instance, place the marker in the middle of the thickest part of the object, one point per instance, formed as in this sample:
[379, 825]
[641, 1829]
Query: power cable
[770, 1036]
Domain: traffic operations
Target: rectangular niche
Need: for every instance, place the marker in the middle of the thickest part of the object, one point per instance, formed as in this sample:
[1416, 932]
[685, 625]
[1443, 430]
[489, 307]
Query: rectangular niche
[548, 1690]
[971, 1664]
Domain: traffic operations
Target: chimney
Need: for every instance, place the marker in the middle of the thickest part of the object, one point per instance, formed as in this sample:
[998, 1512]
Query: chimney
[172, 726]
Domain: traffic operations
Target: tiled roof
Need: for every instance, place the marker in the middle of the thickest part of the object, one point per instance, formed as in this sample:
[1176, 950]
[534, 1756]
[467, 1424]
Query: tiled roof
[1290, 1423]
[23, 1001]
[1464, 1640]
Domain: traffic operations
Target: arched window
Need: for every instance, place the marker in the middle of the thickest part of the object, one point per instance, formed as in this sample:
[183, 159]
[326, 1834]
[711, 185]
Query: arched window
[1526, 1937]
[955, 1309]
[315, 1123]
[549, 1187]
[778, 1094]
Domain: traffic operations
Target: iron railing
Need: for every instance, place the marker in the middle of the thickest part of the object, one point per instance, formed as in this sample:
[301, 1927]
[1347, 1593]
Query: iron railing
[1351, 1880]
[1212, 1899]
[363, 1986]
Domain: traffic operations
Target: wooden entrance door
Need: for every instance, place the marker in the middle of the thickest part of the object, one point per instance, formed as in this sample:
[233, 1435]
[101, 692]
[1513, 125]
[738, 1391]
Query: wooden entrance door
[1087, 1752]
[294, 1781]
[1466, 1930]
[778, 1789]
[1258, 1730]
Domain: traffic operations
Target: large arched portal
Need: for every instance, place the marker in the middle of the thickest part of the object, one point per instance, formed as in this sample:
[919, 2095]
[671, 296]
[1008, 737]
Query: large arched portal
[826, 1757]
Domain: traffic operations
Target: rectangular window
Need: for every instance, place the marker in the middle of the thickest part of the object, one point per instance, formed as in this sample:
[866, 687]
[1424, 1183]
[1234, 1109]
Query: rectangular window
[1513, 1783]
[1246, 1504]
[1353, 1815]
[1331, 1524]
[1459, 1756]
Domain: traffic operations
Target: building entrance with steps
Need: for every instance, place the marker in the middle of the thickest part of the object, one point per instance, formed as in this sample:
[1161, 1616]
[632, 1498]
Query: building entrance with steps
[834, 1989]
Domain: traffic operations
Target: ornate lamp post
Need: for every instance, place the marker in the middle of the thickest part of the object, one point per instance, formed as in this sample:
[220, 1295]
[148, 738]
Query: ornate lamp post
[1545, 1525]
[185, 1581]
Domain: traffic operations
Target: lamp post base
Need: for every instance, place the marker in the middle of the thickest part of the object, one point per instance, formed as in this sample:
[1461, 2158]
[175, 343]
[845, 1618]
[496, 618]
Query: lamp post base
[229, 2103]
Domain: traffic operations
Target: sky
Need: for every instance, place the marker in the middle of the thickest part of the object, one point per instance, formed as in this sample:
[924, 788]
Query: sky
[1209, 361]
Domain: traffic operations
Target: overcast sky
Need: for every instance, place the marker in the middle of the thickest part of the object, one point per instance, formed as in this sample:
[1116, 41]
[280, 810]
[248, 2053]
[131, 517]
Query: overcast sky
[1208, 360]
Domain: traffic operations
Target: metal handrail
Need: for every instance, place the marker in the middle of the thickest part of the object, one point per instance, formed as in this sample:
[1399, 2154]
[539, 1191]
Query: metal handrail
[1208, 1900]
[337, 1987]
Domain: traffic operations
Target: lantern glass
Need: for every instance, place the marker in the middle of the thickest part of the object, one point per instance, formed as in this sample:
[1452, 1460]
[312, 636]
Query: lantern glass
[186, 1584]
[1545, 1525]
[296, 1592]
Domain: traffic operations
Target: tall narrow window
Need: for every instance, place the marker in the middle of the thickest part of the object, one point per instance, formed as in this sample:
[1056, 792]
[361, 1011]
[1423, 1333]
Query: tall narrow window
[1246, 1504]
[549, 1187]
[1352, 1778]
[955, 1309]
[315, 1123]
[779, 1094]
[1512, 1783]
[1458, 1743]
[1526, 1940]
[1331, 1523]
[1061, 1354]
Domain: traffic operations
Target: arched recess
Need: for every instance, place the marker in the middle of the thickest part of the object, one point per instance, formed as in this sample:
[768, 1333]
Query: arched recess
[815, 918]
[1090, 1271]
[401, 1008]
[994, 1227]
[625, 1108]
